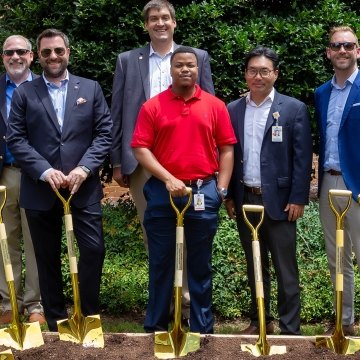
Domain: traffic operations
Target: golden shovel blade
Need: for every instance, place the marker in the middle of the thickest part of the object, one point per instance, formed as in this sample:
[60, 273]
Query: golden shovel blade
[259, 349]
[22, 337]
[167, 348]
[86, 331]
[7, 355]
[338, 344]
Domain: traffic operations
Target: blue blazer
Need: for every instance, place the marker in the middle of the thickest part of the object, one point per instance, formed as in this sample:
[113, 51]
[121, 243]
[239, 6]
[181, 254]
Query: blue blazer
[35, 139]
[349, 133]
[3, 116]
[285, 166]
[131, 88]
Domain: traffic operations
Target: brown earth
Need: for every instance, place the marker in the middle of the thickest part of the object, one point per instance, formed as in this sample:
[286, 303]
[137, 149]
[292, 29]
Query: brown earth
[141, 346]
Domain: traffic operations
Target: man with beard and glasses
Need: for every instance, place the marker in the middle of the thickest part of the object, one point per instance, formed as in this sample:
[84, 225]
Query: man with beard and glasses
[337, 109]
[17, 58]
[59, 132]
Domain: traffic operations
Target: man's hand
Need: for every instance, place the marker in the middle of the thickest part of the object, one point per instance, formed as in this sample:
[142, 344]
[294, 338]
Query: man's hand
[122, 180]
[176, 187]
[295, 211]
[230, 208]
[56, 179]
[75, 179]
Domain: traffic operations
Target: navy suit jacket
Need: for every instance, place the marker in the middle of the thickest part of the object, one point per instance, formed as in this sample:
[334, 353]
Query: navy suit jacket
[131, 88]
[3, 117]
[348, 137]
[285, 166]
[35, 139]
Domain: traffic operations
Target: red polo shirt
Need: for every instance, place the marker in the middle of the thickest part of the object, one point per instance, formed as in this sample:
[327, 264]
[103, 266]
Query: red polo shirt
[184, 135]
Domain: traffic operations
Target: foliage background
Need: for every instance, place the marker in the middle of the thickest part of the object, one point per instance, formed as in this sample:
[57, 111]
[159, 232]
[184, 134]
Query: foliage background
[227, 29]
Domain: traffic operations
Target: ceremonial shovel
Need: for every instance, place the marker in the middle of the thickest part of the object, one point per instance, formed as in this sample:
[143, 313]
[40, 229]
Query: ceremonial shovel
[338, 342]
[261, 347]
[17, 335]
[78, 329]
[177, 342]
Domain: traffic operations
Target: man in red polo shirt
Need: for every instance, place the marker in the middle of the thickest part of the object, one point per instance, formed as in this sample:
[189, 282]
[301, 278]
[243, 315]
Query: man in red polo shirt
[183, 137]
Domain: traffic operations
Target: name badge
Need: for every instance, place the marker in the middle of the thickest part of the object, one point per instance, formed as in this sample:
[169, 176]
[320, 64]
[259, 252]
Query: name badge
[199, 202]
[276, 133]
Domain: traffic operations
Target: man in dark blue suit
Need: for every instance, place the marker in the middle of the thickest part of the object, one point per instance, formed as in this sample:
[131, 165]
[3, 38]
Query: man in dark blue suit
[272, 168]
[60, 132]
[337, 108]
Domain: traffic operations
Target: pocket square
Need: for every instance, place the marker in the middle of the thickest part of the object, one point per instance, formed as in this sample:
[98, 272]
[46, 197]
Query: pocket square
[356, 104]
[80, 101]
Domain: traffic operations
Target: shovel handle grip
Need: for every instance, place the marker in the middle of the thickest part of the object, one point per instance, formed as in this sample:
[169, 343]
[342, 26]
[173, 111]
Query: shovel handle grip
[180, 214]
[338, 192]
[253, 208]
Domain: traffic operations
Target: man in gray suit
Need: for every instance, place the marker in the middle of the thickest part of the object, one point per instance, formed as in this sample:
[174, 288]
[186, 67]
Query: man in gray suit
[140, 74]
[17, 58]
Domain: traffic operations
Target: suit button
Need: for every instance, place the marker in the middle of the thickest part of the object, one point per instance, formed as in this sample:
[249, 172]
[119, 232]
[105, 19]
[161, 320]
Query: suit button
[1, 157]
[241, 161]
[62, 144]
[4, 137]
[241, 182]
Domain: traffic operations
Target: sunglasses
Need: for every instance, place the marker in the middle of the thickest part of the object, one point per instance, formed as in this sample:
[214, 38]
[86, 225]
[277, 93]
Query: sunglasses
[336, 46]
[20, 52]
[59, 51]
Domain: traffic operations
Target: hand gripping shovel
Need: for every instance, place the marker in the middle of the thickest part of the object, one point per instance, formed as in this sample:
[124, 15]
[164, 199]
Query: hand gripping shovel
[17, 335]
[78, 329]
[338, 342]
[261, 347]
[177, 342]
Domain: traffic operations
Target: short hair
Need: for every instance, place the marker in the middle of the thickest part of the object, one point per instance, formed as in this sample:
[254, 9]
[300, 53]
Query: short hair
[158, 5]
[342, 28]
[181, 50]
[262, 51]
[49, 33]
[27, 41]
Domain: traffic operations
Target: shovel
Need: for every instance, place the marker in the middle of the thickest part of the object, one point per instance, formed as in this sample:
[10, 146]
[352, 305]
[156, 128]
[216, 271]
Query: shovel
[177, 342]
[17, 335]
[261, 347]
[6, 355]
[338, 342]
[78, 329]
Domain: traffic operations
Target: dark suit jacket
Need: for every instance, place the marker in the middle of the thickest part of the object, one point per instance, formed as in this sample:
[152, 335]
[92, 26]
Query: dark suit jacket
[131, 88]
[3, 117]
[348, 137]
[35, 139]
[285, 166]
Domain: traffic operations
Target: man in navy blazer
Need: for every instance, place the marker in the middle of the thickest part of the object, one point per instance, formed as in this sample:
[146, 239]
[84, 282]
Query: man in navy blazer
[139, 75]
[17, 57]
[60, 132]
[272, 168]
[337, 107]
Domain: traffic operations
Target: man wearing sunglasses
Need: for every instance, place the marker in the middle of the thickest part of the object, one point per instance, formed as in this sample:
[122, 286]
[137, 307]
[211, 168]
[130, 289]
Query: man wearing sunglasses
[60, 132]
[337, 107]
[17, 58]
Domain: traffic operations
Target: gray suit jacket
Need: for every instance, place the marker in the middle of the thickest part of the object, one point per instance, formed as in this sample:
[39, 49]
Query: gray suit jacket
[3, 116]
[285, 166]
[131, 88]
[37, 143]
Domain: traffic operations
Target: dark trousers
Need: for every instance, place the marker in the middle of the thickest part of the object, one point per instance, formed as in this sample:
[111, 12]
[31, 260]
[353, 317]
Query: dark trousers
[199, 228]
[46, 231]
[278, 238]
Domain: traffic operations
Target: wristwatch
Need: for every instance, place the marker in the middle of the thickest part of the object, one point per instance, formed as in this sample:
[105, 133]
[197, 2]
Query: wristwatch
[223, 192]
[87, 170]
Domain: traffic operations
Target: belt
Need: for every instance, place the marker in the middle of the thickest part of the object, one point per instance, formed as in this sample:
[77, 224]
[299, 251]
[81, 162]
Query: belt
[256, 190]
[334, 172]
[204, 180]
[13, 164]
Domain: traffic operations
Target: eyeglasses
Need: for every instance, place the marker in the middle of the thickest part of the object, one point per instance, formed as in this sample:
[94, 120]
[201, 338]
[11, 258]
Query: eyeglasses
[336, 46]
[59, 51]
[20, 52]
[264, 72]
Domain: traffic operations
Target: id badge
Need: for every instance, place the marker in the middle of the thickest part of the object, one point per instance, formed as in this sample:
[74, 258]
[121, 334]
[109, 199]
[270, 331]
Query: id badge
[276, 133]
[199, 202]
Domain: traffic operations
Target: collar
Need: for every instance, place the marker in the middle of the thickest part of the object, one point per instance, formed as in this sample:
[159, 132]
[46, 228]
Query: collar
[63, 81]
[152, 51]
[9, 81]
[350, 80]
[270, 97]
[197, 94]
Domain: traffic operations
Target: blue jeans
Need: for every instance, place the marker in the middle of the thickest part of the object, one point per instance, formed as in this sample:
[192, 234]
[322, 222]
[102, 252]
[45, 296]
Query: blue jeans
[199, 228]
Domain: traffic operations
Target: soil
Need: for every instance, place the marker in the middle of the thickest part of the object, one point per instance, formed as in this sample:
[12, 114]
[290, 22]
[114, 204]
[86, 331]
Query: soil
[141, 346]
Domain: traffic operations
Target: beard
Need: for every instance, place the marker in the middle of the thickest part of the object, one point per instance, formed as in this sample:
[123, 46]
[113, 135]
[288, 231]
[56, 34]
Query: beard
[55, 73]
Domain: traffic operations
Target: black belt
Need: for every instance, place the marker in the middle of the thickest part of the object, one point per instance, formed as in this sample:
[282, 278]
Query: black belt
[194, 182]
[256, 190]
[13, 164]
[334, 172]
